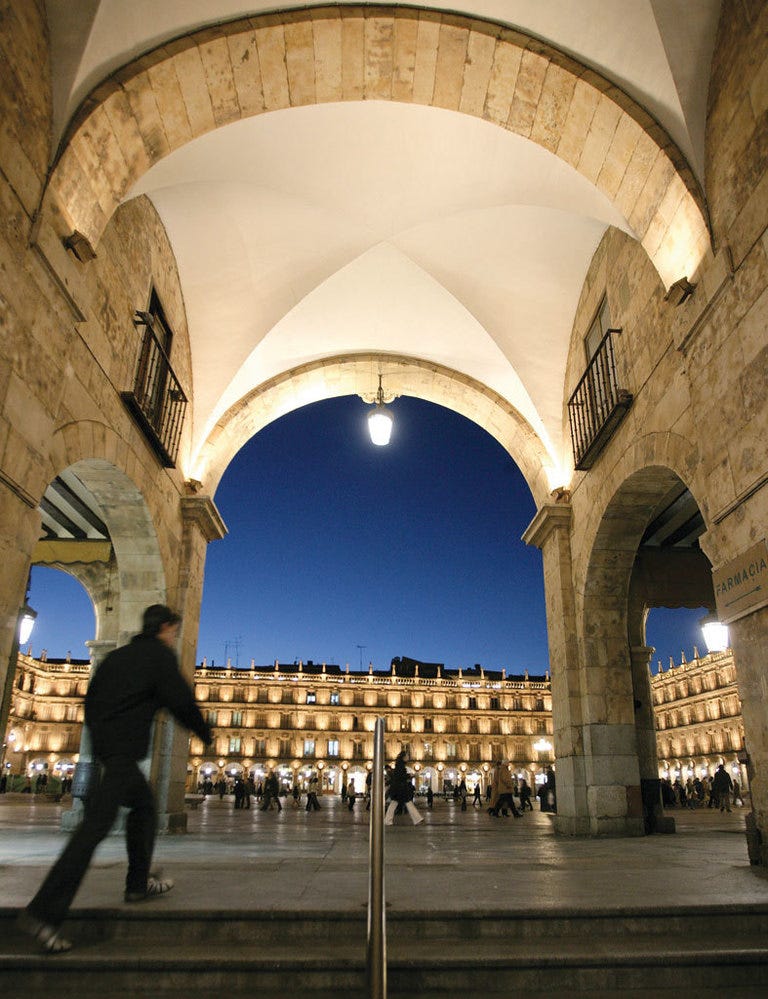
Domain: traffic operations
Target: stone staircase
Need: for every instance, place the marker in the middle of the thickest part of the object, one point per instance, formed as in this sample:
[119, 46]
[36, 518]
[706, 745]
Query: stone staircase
[145, 952]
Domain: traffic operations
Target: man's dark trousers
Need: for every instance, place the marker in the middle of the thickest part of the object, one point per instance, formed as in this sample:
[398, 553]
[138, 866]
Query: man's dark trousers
[122, 783]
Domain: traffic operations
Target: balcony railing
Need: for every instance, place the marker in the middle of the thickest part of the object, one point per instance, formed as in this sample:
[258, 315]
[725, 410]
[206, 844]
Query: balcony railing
[597, 406]
[157, 401]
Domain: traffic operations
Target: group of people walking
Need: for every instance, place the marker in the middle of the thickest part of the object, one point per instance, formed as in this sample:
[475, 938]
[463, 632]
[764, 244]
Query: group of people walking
[718, 791]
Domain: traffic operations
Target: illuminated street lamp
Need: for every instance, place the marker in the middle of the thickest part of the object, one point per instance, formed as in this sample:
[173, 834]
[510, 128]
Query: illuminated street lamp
[27, 618]
[380, 420]
[715, 633]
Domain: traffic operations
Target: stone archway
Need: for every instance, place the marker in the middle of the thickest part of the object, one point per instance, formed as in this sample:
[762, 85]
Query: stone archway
[215, 76]
[617, 730]
[134, 576]
[356, 374]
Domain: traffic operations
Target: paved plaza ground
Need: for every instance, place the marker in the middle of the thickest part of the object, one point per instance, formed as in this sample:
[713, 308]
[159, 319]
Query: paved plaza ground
[255, 860]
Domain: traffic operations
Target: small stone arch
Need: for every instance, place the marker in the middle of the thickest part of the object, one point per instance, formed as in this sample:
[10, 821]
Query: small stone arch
[137, 576]
[356, 374]
[614, 685]
[212, 77]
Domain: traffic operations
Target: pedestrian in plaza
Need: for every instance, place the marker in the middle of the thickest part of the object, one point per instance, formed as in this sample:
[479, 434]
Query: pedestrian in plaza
[401, 793]
[737, 799]
[351, 796]
[430, 797]
[312, 803]
[271, 796]
[722, 785]
[525, 795]
[476, 800]
[503, 801]
[463, 794]
[239, 792]
[551, 788]
[126, 692]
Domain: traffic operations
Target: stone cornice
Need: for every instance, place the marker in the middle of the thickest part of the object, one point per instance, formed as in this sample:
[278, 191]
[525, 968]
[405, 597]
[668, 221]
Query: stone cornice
[550, 517]
[201, 511]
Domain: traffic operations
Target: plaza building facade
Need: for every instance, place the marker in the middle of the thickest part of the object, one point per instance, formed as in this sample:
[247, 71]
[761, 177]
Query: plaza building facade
[557, 219]
[307, 718]
[699, 723]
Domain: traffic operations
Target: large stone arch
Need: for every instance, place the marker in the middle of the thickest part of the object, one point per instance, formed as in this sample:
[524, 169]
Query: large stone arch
[356, 374]
[218, 75]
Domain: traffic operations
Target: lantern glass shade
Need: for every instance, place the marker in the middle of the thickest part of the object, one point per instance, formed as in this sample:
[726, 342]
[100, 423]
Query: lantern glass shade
[380, 426]
[26, 624]
[715, 635]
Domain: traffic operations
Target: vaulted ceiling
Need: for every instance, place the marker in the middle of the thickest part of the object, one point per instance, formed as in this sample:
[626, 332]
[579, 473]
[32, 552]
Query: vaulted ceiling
[385, 227]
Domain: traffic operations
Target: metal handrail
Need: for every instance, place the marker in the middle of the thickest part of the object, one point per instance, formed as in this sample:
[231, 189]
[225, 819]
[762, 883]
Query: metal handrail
[376, 961]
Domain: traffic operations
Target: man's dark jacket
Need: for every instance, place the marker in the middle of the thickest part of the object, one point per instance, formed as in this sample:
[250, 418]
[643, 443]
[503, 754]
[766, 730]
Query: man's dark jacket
[127, 690]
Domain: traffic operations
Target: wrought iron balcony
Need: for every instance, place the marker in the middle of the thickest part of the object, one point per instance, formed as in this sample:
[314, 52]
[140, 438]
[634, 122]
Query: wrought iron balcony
[597, 406]
[157, 402]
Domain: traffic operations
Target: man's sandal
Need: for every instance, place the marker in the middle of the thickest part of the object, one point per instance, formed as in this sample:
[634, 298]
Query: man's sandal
[48, 937]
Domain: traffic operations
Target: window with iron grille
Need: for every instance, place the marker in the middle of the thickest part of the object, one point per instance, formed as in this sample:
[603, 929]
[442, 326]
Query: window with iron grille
[598, 404]
[157, 401]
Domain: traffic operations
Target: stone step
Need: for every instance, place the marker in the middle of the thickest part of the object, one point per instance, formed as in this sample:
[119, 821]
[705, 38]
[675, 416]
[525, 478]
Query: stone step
[167, 954]
[155, 923]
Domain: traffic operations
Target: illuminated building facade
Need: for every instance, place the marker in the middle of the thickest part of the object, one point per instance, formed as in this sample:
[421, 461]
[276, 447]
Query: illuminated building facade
[309, 717]
[698, 719]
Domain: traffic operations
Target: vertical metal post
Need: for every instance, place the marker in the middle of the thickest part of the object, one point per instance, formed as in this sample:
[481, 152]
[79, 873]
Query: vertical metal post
[377, 925]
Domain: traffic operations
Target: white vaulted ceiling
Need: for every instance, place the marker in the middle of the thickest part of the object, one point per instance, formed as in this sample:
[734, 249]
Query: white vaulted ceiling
[391, 228]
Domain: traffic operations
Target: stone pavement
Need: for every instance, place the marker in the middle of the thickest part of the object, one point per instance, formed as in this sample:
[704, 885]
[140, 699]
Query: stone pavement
[455, 861]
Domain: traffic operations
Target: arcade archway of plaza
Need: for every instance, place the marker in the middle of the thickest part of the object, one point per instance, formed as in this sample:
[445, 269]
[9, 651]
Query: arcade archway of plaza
[559, 234]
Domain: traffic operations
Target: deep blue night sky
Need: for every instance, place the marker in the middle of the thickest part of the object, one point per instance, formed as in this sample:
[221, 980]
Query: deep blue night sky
[334, 544]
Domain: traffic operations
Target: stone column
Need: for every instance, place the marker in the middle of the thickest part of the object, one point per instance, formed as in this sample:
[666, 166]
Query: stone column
[201, 523]
[71, 818]
[749, 639]
[645, 730]
[19, 531]
[550, 531]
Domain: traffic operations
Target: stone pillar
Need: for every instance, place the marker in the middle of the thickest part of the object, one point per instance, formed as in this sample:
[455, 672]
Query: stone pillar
[749, 639]
[71, 818]
[19, 531]
[202, 523]
[550, 531]
[645, 730]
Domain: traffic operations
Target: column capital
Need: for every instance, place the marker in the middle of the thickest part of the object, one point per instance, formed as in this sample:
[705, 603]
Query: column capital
[99, 649]
[550, 517]
[201, 511]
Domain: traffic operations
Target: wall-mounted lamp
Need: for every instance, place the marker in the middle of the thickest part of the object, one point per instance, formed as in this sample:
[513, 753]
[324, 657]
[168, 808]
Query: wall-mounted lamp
[715, 633]
[681, 290]
[27, 617]
[80, 246]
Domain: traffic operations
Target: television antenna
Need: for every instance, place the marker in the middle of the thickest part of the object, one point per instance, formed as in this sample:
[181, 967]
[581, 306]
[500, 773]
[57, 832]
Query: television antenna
[234, 645]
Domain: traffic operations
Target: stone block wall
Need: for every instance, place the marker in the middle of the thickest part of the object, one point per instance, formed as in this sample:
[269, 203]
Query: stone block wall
[68, 345]
[698, 372]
